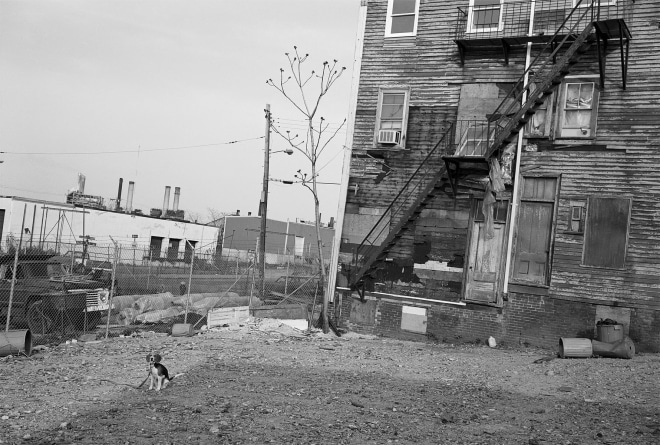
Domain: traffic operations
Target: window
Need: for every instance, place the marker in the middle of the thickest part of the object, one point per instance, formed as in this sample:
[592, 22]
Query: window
[155, 246]
[578, 109]
[475, 139]
[485, 15]
[401, 18]
[576, 217]
[190, 248]
[539, 124]
[173, 249]
[606, 232]
[392, 117]
[534, 231]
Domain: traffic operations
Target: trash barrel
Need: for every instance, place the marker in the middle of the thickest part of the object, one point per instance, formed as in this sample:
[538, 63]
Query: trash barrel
[182, 330]
[575, 347]
[15, 342]
[624, 348]
[609, 333]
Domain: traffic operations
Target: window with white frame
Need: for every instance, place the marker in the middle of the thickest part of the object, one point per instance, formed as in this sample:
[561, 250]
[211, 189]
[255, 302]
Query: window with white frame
[476, 139]
[402, 18]
[578, 109]
[392, 118]
[485, 15]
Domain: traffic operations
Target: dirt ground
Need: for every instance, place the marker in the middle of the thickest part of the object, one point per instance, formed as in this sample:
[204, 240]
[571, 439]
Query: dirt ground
[264, 382]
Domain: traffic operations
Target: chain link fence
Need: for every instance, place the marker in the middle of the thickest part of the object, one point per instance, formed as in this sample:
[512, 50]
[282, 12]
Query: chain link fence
[59, 291]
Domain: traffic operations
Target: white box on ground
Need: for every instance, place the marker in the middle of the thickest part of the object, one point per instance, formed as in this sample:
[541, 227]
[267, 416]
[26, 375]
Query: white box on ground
[227, 315]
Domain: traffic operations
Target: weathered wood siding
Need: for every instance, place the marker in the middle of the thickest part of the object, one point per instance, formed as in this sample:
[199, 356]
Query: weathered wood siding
[628, 127]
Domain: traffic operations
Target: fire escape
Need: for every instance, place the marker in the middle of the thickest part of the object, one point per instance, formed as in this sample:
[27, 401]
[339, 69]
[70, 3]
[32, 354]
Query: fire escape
[563, 31]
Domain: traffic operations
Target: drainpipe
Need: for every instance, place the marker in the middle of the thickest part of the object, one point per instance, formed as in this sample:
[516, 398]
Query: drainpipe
[350, 129]
[516, 182]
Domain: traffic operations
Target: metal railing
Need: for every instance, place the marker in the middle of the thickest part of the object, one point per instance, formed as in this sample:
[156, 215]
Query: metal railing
[574, 30]
[511, 19]
[472, 138]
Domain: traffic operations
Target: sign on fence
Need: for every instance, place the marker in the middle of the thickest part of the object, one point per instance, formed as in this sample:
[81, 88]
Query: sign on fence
[220, 316]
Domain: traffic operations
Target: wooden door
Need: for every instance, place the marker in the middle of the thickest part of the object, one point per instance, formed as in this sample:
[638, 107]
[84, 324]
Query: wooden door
[484, 263]
[533, 242]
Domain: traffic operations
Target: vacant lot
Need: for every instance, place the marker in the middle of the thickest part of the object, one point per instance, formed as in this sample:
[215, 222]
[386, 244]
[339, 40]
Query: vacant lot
[266, 383]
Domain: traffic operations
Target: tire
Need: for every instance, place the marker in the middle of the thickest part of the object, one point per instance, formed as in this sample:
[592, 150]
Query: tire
[39, 322]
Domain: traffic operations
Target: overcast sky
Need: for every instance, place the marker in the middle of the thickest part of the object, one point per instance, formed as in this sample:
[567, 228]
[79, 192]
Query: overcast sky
[140, 76]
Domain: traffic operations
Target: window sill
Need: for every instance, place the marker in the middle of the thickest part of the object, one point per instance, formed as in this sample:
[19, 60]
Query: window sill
[482, 306]
[620, 269]
[574, 139]
[527, 288]
[385, 148]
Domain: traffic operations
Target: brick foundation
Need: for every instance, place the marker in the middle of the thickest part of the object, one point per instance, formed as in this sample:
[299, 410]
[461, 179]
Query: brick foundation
[524, 320]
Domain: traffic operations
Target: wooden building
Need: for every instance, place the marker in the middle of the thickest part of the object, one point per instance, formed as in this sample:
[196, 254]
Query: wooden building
[504, 171]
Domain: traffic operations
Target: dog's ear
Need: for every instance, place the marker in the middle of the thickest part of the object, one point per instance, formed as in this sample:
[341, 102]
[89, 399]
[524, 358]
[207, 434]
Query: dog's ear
[157, 358]
[149, 358]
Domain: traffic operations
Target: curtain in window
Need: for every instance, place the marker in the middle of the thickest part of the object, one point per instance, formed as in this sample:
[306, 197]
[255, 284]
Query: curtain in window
[578, 105]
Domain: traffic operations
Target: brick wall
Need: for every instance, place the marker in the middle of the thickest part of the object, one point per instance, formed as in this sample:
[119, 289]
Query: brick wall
[524, 320]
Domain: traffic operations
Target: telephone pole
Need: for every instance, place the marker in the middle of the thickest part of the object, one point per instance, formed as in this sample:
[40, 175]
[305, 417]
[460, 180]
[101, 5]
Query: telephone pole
[263, 208]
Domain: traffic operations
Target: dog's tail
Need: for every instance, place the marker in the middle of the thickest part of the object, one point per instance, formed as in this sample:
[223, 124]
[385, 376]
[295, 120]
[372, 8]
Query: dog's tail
[176, 375]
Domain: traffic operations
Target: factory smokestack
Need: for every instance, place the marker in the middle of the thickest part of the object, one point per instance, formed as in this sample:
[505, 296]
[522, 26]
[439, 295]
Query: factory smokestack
[129, 197]
[166, 200]
[81, 183]
[118, 205]
[177, 194]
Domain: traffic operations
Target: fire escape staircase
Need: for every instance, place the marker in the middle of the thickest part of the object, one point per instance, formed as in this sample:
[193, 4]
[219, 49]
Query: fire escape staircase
[544, 74]
[422, 186]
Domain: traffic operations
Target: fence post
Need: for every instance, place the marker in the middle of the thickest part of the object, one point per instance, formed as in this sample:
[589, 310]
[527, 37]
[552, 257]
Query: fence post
[13, 278]
[112, 287]
[192, 263]
[149, 268]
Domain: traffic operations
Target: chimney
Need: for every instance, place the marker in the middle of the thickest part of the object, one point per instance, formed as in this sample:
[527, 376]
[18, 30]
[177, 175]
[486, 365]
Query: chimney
[129, 197]
[166, 200]
[81, 183]
[118, 205]
[177, 193]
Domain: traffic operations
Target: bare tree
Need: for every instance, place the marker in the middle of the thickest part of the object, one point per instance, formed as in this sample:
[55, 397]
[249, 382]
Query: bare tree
[305, 92]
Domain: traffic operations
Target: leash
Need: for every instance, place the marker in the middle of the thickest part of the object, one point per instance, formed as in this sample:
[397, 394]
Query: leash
[126, 384]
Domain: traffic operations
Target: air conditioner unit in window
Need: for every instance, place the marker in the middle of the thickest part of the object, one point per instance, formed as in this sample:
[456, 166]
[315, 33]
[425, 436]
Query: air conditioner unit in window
[389, 137]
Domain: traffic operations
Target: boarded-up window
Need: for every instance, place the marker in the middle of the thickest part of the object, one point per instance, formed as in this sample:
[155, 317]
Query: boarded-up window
[534, 231]
[413, 319]
[606, 233]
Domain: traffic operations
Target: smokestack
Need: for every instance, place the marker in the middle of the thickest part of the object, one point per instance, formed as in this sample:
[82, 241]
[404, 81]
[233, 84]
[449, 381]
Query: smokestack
[81, 183]
[121, 183]
[166, 200]
[177, 194]
[129, 197]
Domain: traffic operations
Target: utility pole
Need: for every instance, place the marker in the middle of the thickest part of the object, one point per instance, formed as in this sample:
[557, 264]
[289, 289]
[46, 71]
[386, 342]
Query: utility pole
[263, 208]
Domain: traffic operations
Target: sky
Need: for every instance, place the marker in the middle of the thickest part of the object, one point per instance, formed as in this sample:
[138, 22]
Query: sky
[167, 93]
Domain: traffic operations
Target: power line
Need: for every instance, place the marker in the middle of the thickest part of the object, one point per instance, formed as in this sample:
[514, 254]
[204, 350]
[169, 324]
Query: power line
[139, 150]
